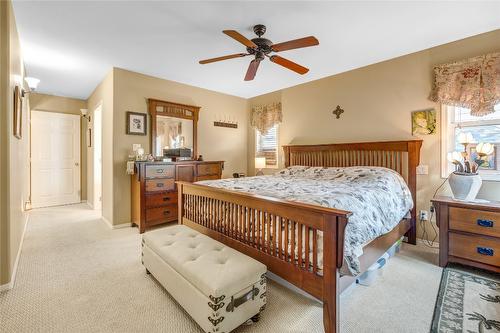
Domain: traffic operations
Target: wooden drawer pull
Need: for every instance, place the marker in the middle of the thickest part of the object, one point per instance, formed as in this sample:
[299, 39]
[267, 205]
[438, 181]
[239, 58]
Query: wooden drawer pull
[485, 223]
[166, 212]
[166, 198]
[486, 251]
[159, 170]
[160, 184]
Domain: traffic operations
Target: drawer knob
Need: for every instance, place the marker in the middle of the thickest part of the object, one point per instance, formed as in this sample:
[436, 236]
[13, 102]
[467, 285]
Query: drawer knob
[485, 223]
[486, 251]
[159, 170]
[159, 184]
[166, 198]
[166, 212]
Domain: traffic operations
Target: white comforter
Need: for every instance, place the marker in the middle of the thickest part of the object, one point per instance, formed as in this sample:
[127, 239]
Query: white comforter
[378, 198]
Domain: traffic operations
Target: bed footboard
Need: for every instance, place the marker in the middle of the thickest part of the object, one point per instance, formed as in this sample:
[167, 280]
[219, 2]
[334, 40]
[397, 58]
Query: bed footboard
[281, 234]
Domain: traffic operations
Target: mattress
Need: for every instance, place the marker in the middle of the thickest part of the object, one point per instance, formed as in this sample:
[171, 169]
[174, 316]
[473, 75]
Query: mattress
[377, 197]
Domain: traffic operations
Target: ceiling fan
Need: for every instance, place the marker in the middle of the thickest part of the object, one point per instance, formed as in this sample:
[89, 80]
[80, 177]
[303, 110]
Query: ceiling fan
[262, 47]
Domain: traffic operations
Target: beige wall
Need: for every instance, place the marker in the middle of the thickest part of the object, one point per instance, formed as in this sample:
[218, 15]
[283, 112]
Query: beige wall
[50, 103]
[14, 153]
[103, 96]
[131, 90]
[378, 101]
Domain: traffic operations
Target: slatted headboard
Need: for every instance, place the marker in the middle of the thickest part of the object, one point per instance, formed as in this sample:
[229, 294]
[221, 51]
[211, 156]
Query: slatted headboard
[401, 156]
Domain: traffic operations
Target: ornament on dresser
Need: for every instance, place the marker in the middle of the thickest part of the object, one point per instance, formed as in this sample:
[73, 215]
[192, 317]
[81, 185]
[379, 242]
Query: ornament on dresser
[465, 182]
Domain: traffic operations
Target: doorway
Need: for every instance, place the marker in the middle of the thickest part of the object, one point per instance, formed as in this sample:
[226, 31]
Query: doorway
[55, 159]
[97, 158]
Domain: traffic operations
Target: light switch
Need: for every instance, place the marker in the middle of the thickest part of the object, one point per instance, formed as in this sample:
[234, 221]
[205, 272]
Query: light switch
[422, 169]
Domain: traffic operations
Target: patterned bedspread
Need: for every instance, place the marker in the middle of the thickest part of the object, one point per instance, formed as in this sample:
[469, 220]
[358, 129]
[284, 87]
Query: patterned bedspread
[378, 198]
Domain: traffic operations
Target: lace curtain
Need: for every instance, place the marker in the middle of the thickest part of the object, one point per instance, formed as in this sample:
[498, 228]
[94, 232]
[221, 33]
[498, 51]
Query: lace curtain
[264, 117]
[472, 83]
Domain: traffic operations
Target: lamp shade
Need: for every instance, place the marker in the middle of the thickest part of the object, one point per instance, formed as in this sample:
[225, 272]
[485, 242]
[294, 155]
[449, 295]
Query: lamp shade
[32, 82]
[260, 162]
[465, 137]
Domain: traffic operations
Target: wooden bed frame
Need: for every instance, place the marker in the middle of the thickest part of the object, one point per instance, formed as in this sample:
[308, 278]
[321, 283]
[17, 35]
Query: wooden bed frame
[235, 218]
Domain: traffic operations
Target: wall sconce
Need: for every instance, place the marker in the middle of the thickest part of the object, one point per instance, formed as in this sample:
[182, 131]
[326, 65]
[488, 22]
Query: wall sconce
[85, 114]
[32, 84]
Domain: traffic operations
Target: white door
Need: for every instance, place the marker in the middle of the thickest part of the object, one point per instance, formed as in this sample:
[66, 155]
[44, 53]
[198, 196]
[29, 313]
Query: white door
[55, 159]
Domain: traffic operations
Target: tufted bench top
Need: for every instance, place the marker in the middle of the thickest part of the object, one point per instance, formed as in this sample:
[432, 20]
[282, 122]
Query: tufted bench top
[214, 268]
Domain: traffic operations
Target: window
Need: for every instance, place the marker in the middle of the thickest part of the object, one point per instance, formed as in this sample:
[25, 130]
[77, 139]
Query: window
[483, 129]
[267, 146]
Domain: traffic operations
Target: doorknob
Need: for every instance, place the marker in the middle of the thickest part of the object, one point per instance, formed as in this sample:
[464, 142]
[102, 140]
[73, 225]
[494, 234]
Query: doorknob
[77, 164]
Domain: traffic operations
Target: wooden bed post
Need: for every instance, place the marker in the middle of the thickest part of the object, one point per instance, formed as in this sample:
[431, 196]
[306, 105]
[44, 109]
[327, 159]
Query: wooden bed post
[333, 257]
[180, 202]
[413, 162]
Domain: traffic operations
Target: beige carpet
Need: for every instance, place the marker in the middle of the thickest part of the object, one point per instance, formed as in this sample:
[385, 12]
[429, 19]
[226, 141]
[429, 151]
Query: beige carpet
[77, 275]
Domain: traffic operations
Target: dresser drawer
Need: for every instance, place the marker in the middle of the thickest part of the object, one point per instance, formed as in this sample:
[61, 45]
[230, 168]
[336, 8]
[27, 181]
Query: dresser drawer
[155, 185]
[161, 199]
[208, 169]
[161, 214]
[475, 221]
[207, 177]
[481, 249]
[160, 171]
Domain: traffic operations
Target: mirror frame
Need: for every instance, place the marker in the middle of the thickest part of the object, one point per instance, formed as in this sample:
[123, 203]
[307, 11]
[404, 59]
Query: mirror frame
[175, 110]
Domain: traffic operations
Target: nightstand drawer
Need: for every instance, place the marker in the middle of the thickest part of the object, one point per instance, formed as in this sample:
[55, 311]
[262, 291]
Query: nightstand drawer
[475, 221]
[480, 249]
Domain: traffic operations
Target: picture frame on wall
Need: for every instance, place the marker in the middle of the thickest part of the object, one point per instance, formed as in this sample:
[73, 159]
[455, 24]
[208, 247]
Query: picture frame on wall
[89, 137]
[136, 123]
[423, 122]
[18, 113]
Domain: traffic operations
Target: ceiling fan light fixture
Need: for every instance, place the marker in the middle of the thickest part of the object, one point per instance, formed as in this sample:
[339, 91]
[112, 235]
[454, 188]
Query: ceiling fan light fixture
[261, 47]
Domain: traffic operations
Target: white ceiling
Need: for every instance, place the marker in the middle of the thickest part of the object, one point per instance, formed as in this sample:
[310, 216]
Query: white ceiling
[71, 45]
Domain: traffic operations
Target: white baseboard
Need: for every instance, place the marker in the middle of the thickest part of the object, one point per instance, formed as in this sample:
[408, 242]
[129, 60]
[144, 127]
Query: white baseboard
[89, 204]
[118, 226]
[12, 282]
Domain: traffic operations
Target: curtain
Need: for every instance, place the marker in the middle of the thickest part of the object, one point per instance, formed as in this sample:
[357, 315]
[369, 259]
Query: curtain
[472, 83]
[264, 117]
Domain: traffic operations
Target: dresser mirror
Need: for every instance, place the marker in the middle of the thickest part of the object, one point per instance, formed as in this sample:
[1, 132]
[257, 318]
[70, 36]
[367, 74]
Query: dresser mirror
[173, 130]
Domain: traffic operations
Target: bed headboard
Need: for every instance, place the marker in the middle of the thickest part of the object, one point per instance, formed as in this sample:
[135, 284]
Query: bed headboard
[401, 156]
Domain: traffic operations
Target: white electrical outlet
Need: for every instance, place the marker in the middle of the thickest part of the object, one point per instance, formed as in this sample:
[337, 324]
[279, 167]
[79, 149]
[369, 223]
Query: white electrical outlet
[422, 169]
[424, 215]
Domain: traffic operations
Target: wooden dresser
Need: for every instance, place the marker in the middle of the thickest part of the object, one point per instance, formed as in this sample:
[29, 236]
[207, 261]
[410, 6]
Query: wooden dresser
[154, 192]
[469, 233]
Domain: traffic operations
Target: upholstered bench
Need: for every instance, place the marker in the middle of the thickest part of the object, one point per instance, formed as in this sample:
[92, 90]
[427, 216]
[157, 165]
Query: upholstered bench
[218, 286]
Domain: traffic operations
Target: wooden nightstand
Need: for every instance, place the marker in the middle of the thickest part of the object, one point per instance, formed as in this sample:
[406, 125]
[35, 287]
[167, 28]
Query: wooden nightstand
[469, 233]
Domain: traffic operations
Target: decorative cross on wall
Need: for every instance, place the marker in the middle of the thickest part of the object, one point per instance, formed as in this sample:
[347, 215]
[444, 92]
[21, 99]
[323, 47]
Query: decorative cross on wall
[338, 111]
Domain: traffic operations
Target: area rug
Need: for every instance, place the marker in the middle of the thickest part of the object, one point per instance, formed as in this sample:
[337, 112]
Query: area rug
[468, 301]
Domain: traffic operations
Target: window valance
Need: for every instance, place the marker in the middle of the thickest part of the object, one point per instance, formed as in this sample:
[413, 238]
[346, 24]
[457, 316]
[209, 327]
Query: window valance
[264, 117]
[472, 83]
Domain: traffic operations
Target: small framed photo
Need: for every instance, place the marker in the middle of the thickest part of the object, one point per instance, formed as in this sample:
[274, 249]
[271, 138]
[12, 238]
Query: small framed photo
[18, 113]
[423, 122]
[136, 123]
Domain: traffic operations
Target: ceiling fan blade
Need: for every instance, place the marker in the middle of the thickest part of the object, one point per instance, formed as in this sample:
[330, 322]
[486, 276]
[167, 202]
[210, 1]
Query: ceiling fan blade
[252, 70]
[231, 56]
[289, 64]
[295, 44]
[240, 38]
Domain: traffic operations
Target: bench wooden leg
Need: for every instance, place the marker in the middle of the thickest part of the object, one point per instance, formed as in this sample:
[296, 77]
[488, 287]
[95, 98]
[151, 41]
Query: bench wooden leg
[256, 318]
[147, 272]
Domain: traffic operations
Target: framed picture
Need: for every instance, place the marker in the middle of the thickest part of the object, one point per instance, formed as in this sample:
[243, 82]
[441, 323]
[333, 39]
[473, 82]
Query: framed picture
[89, 137]
[490, 163]
[423, 122]
[18, 113]
[136, 123]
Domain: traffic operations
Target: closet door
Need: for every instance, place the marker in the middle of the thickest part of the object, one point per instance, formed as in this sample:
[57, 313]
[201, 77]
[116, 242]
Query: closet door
[55, 159]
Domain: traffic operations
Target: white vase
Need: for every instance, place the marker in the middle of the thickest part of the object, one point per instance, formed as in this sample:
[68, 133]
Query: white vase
[465, 186]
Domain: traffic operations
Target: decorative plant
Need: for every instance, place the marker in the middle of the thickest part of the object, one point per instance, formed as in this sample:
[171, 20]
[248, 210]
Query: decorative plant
[463, 163]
